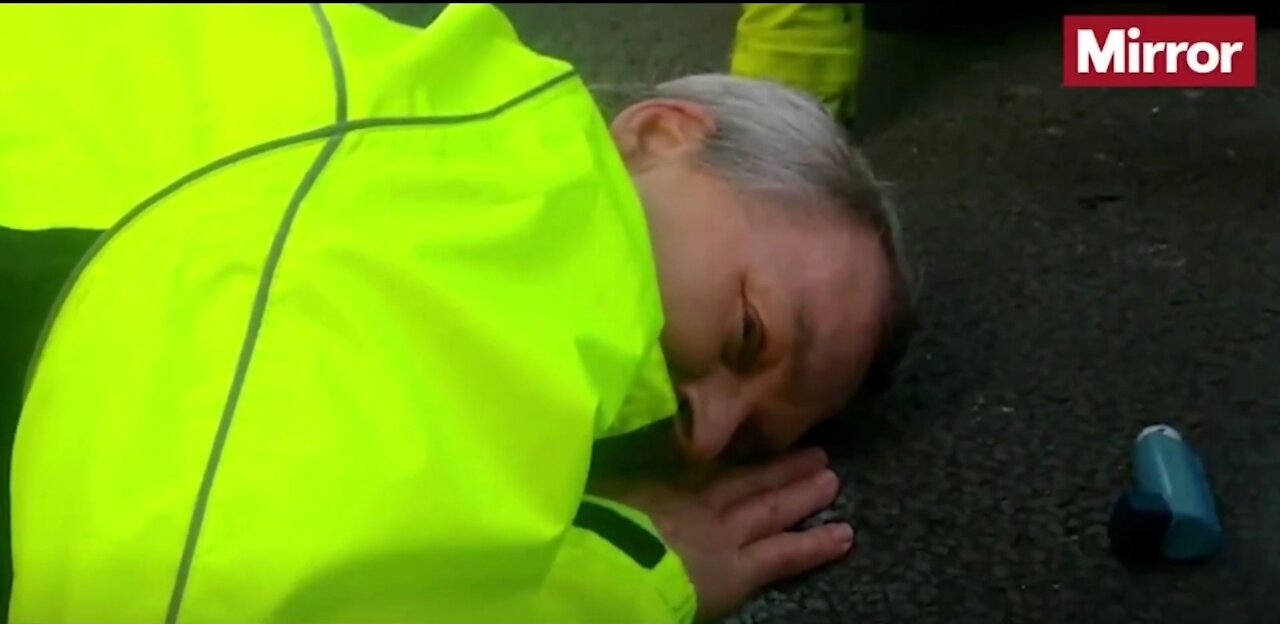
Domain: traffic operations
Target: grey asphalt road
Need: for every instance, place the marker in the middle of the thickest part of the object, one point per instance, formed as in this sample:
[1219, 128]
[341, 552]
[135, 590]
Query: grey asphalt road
[1094, 262]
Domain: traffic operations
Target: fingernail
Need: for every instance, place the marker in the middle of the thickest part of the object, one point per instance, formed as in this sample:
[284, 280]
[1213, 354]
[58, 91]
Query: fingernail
[843, 534]
[826, 478]
[817, 455]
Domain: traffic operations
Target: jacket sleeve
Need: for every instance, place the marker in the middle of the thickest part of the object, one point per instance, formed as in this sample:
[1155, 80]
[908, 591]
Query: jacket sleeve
[612, 563]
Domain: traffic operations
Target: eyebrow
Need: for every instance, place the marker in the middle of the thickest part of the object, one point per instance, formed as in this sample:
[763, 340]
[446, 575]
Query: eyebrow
[801, 346]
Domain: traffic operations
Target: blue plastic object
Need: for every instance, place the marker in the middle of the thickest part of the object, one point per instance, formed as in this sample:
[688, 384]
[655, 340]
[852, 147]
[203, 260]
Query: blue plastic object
[1171, 513]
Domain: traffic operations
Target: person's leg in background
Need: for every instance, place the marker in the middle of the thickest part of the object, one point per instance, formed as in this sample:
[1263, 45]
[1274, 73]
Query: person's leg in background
[816, 48]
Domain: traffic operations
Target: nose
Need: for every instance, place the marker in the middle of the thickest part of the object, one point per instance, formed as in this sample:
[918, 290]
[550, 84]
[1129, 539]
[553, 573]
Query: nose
[706, 421]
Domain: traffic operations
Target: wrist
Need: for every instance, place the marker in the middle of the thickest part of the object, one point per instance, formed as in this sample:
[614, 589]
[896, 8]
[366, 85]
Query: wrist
[633, 533]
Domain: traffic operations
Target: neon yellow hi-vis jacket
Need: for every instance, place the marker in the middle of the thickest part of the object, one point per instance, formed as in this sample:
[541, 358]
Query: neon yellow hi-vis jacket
[816, 48]
[368, 295]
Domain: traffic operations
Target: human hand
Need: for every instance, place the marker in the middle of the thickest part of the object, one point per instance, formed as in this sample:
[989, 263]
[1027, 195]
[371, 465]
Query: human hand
[732, 534]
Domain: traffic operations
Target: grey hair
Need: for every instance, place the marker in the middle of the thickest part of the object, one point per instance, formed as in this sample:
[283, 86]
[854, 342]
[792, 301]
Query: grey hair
[772, 139]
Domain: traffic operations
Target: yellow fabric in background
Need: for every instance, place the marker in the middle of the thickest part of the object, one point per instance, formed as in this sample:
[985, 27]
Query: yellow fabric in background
[816, 48]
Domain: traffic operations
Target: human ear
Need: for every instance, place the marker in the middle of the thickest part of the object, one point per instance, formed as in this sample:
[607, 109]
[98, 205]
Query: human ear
[652, 132]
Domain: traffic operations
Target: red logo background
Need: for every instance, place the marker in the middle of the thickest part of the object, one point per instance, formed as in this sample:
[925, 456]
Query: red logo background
[1214, 29]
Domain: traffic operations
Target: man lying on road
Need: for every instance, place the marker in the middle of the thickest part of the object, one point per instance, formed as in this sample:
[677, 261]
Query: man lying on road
[368, 297]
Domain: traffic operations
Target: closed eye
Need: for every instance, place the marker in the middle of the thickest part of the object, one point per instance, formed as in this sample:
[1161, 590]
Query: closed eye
[752, 340]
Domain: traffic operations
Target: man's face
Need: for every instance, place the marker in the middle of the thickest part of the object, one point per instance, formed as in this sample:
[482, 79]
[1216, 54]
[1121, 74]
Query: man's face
[773, 310]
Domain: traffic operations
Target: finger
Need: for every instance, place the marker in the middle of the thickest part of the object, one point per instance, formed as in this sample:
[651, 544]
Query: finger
[744, 482]
[785, 555]
[774, 511]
